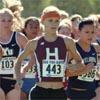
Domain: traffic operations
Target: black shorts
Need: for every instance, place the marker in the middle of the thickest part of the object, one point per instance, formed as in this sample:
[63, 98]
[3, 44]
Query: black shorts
[97, 83]
[81, 95]
[7, 85]
[39, 93]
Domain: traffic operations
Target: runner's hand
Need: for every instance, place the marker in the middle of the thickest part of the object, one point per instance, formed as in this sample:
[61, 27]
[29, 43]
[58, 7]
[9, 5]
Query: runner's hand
[19, 84]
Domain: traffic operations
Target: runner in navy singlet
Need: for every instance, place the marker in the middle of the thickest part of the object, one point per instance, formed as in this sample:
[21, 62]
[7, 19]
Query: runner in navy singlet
[82, 86]
[11, 43]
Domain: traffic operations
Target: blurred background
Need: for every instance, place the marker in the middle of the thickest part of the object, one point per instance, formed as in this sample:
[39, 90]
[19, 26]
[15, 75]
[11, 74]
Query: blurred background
[82, 7]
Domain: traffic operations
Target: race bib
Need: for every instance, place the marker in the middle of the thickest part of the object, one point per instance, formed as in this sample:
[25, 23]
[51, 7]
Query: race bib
[31, 73]
[53, 68]
[97, 67]
[7, 65]
[89, 77]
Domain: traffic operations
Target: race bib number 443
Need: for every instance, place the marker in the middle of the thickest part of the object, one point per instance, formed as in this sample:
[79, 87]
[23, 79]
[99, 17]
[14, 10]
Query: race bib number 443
[53, 68]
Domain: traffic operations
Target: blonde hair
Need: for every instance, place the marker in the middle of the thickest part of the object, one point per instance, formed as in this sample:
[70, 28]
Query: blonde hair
[50, 11]
[16, 7]
[6, 10]
[75, 16]
[64, 13]
[64, 23]
[93, 17]
[12, 4]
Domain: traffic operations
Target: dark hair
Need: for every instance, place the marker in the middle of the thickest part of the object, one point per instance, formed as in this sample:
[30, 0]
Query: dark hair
[34, 19]
[85, 22]
[28, 19]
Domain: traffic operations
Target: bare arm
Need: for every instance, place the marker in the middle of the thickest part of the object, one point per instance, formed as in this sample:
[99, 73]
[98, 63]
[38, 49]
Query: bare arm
[97, 47]
[81, 71]
[22, 40]
[84, 70]
[74, 55]
[29, 49]
[29, 65]
[98, 74]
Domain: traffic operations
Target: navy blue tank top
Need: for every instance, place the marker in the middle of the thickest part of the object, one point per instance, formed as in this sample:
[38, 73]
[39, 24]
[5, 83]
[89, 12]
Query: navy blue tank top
[11, 51]
[85, 81]
[51, 59]
[11, 48]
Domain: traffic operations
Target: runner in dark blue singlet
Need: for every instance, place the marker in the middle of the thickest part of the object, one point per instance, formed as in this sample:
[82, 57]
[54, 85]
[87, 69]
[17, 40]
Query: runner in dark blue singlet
[11, 43]
[82, 86]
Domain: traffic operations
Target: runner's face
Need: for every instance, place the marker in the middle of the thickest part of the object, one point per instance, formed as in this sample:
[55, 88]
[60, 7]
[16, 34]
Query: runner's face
[65, 30]
[6, 21]
[87, 33]
[75, 23]
[51, 24]
[32, 29]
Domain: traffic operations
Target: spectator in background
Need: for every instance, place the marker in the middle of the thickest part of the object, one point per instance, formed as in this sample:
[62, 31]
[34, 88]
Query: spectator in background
[94, 18]
[65, 27]
[64, 14]
[76, 18]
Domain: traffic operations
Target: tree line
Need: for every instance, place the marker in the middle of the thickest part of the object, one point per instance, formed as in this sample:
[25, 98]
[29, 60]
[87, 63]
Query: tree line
[82, 7]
